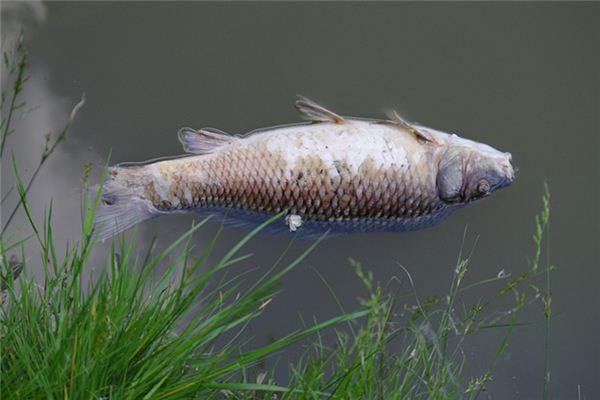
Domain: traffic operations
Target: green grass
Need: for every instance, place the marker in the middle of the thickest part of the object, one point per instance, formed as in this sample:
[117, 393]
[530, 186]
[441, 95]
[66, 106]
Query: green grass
[134, 332]
[124, 336]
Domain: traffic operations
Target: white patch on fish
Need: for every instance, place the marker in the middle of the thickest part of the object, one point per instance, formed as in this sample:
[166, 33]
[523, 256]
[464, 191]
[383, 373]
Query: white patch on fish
[353, 142]
[294, 222]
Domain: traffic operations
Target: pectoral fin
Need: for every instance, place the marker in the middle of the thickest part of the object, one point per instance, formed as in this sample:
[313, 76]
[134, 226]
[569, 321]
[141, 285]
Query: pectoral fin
[203, 141]
[312, 111]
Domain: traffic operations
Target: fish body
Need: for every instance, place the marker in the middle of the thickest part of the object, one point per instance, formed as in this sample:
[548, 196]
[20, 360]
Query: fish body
[332, 174]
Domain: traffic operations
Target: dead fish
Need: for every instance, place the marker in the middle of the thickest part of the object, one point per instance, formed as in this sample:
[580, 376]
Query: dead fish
[331, 173]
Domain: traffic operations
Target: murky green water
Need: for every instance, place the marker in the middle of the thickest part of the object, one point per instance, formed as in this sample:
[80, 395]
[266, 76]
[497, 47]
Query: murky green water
[521, 77]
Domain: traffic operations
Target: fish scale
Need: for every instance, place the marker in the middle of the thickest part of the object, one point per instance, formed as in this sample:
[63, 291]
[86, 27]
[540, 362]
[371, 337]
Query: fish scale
[258, 185]
[334, 173]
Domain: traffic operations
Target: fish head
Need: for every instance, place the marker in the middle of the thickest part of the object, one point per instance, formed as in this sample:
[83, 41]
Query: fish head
[470, 171]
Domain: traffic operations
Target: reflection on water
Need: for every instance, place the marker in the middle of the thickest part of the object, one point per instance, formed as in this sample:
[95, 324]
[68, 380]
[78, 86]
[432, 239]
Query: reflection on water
[521, 77]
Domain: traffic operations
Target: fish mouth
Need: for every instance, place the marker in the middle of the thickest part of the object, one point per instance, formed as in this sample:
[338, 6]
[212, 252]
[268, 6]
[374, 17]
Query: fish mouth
[509, 177]
[507, 181]
[508, 173]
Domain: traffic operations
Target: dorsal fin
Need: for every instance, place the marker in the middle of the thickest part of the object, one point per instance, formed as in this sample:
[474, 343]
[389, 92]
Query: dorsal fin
[419, 134]
[203, 141]
[312, 111]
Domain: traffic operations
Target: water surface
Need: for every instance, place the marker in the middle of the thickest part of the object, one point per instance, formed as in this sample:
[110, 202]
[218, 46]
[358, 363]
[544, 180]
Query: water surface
[520, 77]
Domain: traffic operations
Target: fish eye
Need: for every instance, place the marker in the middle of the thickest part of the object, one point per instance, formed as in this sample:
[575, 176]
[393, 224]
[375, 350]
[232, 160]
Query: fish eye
[483, 187]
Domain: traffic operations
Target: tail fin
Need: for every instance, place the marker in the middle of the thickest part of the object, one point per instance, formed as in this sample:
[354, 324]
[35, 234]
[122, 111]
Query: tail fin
[122, 204]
